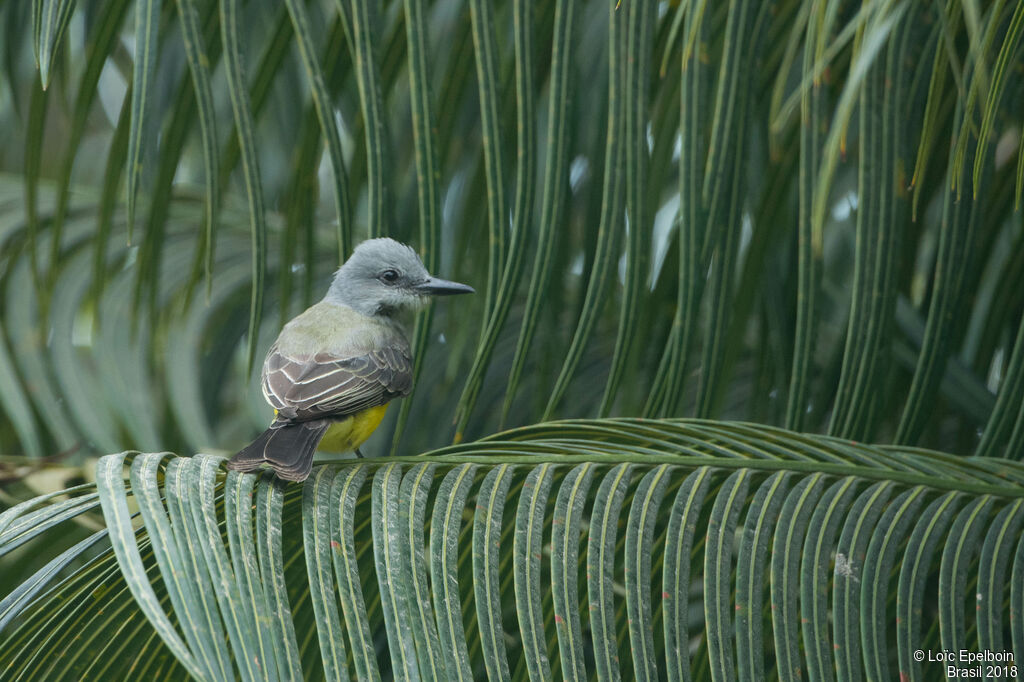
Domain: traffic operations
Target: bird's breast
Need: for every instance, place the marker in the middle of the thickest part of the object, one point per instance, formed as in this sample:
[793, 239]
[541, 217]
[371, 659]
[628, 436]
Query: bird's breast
[335, 330]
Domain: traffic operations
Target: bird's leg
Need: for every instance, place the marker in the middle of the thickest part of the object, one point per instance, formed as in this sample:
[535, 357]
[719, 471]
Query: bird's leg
[359, 454]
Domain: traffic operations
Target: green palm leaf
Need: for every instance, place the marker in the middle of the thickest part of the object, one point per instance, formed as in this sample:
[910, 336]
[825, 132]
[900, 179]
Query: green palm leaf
[770, 229]
[738, 499]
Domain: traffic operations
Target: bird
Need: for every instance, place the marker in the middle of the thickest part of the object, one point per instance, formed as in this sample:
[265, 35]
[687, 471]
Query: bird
[335, 367]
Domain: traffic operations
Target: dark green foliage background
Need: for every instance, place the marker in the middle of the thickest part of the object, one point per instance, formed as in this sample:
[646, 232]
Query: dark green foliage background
[802, 214]
[854, 268]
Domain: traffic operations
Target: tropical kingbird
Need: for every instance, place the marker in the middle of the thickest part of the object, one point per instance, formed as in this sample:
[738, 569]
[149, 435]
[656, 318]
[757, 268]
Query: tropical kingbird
[333, 369]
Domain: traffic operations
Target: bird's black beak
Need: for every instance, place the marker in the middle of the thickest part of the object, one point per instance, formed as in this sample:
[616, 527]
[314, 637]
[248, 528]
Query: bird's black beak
[442, 287]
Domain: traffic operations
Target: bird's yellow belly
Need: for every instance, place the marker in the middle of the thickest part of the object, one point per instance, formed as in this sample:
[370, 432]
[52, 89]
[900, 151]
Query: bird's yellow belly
[349, 433]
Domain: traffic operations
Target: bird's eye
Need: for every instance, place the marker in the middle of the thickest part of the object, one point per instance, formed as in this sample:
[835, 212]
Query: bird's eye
[389, 276]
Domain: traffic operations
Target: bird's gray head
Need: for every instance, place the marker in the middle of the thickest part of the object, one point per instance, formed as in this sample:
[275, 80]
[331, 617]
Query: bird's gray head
[385, 277]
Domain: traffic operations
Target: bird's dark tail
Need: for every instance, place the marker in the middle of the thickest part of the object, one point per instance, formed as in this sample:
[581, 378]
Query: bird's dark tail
[288, 448]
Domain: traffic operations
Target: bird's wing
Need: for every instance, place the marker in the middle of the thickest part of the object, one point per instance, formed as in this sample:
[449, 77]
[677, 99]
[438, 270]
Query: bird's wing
[324, 385]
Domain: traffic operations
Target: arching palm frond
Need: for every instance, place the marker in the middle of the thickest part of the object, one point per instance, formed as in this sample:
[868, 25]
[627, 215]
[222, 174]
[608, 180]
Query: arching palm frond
[580, 545]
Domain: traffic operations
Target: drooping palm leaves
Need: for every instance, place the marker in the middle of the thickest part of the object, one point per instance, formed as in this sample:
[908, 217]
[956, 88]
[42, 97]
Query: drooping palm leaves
[801, 213]
[826, 142]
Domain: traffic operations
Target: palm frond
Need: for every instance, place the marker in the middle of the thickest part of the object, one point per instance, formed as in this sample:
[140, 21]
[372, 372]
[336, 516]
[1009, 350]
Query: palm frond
[807, 216]
[582, 544]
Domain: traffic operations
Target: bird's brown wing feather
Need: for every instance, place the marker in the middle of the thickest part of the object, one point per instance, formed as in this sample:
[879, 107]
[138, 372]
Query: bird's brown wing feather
[304, 388]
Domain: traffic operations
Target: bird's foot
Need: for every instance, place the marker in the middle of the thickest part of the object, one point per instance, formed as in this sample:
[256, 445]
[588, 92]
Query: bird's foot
[359, 454]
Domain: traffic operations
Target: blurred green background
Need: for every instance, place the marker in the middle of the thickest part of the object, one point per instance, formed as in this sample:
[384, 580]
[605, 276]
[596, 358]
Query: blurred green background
[803, 214]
